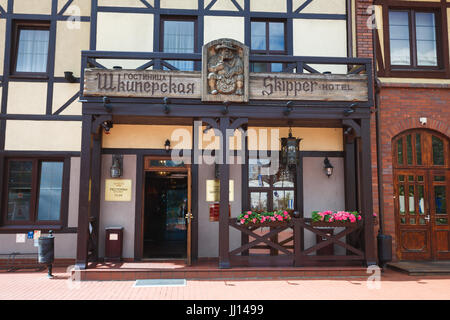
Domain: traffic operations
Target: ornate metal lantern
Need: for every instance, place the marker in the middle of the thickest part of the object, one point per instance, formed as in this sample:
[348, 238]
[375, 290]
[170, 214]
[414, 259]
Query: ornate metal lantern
[327, 167]
[116, 169]
[290, 148]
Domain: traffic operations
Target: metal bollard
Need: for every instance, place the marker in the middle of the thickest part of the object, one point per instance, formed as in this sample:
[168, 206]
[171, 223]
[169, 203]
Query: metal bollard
[46, 252]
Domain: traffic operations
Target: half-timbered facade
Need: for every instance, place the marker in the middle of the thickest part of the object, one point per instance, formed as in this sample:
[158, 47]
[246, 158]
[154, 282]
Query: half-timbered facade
[98, 96]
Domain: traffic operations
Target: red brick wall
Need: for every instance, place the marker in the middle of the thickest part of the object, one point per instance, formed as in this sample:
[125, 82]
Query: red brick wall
[401, 108]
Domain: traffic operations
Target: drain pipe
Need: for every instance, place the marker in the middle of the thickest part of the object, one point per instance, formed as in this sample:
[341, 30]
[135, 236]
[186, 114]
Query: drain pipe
[384, 242]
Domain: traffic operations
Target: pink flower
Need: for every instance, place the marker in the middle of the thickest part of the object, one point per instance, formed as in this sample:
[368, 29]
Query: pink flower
[272, 218]
[254, 220]
[246, 216]
[249, 212]
[374, 214]
[359, 217]
[242, 221]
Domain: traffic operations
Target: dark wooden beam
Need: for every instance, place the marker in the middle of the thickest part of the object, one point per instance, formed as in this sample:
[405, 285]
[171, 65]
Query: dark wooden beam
[96, 170]
[83, 206]
[224, 236]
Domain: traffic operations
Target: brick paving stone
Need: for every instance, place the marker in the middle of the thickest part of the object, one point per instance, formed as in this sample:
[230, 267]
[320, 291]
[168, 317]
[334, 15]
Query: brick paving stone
[30, 285]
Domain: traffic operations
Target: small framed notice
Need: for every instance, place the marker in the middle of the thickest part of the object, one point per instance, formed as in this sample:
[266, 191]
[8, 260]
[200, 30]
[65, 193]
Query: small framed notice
[20, 237]
[117, 190]
[113, 236]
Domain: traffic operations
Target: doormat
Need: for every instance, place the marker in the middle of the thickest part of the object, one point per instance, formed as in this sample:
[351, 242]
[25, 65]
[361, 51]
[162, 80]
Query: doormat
[159, 283]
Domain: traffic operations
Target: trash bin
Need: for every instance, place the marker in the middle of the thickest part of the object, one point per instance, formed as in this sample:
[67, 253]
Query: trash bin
[46, 251]
[329, 249]
[113, 243]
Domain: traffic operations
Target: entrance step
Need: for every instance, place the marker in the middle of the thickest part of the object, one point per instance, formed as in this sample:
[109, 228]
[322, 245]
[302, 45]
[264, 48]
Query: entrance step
[421, 268]
[174, 270]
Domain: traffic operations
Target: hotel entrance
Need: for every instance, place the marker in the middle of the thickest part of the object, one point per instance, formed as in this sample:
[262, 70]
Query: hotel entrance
[166, 229]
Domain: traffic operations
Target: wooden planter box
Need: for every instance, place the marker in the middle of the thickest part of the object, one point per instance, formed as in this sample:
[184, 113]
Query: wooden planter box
[335, 224]
[267, 224]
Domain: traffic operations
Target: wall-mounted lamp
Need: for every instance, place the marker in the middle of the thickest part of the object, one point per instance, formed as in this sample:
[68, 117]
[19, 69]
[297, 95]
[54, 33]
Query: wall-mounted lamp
[328, 167]
[350, 109]
[116, 169]
[107, 125]
[68, 75]
[290, 150]
[166, 102]
[107, 104]
[167, 145]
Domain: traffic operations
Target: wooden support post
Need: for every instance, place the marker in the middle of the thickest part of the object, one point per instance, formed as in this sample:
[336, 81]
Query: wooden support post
[2, 177]
[96, 169]
[366, 193]
[298, 242]
[350, 169]
[83, 207]
[224, 171]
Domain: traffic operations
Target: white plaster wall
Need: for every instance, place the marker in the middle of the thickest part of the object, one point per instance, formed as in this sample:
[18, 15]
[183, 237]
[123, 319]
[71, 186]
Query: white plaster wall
[208, 234]
[322, 193]
[118, 214]
[65, 245]
[224, 27]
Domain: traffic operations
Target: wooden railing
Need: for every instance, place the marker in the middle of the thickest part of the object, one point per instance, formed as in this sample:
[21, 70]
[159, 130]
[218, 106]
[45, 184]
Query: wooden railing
[282, 253]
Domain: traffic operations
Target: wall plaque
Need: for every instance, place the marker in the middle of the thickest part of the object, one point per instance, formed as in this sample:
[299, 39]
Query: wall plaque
[213, 190]
[117, 190]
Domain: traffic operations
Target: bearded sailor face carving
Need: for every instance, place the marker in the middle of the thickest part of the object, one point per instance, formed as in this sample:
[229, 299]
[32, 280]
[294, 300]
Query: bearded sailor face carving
[226, 69]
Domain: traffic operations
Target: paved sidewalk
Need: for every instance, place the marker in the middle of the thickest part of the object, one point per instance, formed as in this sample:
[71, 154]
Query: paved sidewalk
[29, 285]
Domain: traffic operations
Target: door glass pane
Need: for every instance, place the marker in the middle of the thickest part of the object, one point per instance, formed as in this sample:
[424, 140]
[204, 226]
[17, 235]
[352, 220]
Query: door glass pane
[179, 38]
[283, 200]
[401, 199]
[441, 221]
[438, 151]
[276, 36]
[422, 221]
[409, 154]
[19, 190]
[412, 220]
[399, 38]
[258, 201]
[411, 178]
[420, 178]
[50, 188]
[426, 39]
[258, 173]
[402, 220]
[418, 150]
[400, 151]
[439, 178]
[440, 200]
[401, 178]
[258, 35]
[420, 190]
[411, 199]
[32, 51]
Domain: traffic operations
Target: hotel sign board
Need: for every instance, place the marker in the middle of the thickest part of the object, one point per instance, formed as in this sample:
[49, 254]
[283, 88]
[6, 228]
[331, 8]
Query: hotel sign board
[262, 86]
[225, 76]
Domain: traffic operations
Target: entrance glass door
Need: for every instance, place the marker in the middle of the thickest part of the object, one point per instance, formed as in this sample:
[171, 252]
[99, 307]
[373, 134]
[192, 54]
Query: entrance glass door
[166, 207]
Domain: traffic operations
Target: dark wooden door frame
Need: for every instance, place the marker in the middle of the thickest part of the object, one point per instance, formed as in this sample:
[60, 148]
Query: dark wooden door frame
[140, 200]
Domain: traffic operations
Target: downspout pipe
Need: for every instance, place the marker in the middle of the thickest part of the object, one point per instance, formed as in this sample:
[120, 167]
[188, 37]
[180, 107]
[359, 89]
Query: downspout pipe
[384, 242]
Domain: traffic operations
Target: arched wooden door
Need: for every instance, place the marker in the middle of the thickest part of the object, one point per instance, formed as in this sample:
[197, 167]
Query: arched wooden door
[421, 194]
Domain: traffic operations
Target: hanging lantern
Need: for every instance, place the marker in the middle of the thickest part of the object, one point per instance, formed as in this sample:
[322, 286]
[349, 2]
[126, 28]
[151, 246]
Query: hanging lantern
[327, 167]
[116, 169]
[290, 149]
